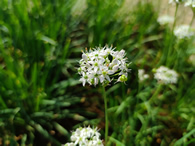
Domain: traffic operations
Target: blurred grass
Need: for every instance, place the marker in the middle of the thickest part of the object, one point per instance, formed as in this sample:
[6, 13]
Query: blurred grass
[41, 99]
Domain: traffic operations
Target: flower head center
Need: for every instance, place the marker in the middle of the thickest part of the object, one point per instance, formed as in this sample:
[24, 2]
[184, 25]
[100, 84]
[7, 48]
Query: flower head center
[95, 64]
[104, 73]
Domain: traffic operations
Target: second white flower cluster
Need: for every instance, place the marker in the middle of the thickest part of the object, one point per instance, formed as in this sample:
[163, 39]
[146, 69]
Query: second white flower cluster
[187, 2]
[85, 137]
[162, 74]
[102, 65]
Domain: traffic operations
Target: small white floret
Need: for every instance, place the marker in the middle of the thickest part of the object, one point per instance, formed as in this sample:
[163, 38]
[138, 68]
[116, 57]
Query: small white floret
[183, 31]
[190, 3]
[142, 76]
[165, 19]
[166, 75]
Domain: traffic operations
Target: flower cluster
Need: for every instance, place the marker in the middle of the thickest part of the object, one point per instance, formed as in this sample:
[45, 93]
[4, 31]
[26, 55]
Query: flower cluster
[85, 137]
[102, 65]
[190, 3]
[186, 2]
[165, 19]
[176, 1]
[166, 75]
[183, 31]
[142, 76]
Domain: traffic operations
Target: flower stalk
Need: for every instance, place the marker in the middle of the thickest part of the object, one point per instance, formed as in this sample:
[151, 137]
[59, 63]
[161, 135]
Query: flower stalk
[106, 114]
[172, 35]
[192, 19]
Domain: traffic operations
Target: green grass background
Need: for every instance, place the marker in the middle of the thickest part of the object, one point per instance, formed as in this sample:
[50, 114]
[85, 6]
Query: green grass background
[41, 98]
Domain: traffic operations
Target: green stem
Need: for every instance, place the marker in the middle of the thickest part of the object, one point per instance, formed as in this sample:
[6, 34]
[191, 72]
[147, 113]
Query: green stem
[159, 5]
[156, 92]
[172, 37]
[177, 5]
[2, 102]
[106, 114]
[179, 52]
[192, 20]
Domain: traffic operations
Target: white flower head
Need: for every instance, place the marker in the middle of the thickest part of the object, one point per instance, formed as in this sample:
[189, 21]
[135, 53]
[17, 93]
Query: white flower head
[165, 19]
[175, 1]
[166, 75]
[85, 137]
[190, 3]
[183, 31]
[101, 65]
[142, 76]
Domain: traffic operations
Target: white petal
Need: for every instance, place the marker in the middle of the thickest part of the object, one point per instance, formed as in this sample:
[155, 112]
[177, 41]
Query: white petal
[84, 56]
[95, 68]
[101, 60]
[95, 81]
[115, 68]
[115, 61]
[101, 78]
[108, 78]
[121, 54]
[110, 72]
[84, 81]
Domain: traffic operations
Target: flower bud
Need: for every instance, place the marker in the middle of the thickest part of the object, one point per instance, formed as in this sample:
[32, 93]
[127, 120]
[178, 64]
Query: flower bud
[84, 56]
[122, 78]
